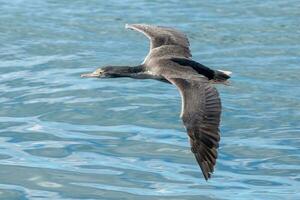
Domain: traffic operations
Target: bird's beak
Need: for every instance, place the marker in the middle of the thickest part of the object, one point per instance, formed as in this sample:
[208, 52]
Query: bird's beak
[95, 74]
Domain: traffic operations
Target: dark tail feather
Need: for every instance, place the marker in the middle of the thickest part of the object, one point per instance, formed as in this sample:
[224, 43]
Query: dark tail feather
[217, 76]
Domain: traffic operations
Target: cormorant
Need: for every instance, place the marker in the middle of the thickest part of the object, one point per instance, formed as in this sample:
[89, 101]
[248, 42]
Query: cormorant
[169, 60]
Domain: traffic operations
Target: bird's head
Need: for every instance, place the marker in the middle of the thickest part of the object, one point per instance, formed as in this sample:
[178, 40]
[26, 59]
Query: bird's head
[104, 72]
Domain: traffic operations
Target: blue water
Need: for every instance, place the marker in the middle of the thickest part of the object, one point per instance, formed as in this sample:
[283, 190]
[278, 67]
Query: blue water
[63, 137]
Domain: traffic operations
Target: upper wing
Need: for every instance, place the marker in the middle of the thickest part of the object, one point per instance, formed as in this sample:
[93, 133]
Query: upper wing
[201, 113]
[160, 36]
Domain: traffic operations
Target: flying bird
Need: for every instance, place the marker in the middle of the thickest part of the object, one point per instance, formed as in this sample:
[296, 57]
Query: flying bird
[169, 60]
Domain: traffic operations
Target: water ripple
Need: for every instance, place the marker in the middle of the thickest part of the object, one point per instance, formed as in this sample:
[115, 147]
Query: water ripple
[62, 137]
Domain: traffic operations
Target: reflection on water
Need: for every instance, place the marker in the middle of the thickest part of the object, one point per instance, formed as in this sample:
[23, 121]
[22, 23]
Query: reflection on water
[62, 137]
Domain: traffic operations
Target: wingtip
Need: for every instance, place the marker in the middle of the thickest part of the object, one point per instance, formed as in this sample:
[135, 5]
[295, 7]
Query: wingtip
[135, 26]
[130, 26]
[206, 175]
[206, 178]
[204, 168]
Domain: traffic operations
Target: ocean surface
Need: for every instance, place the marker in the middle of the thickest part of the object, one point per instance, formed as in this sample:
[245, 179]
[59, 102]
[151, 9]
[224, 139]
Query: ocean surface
[63, 137]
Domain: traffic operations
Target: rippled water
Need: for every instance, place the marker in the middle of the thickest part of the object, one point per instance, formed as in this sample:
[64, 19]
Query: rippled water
[62, 137]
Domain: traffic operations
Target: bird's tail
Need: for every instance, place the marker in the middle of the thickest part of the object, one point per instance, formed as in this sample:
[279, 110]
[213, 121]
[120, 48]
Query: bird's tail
[221, 76]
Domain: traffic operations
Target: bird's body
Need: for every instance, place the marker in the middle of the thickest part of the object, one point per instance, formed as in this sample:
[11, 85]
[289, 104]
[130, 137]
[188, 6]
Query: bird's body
[169, 60]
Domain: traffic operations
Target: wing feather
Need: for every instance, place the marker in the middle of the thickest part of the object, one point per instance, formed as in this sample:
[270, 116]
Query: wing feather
[160, 35]
[170, 41]
[201, 113]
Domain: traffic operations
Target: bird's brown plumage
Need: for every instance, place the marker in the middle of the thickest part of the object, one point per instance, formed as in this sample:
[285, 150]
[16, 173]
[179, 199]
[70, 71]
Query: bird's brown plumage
[201, 104]
[201, 112]
[160, 35]
[169, 60]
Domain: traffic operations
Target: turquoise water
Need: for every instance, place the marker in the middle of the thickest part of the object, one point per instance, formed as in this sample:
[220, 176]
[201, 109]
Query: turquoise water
[63, 137]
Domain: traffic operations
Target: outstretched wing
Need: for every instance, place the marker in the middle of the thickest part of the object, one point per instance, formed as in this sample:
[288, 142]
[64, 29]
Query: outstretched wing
[160, 36]
[201, 113]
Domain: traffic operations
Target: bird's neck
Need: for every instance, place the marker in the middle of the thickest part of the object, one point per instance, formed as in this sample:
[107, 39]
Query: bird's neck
[126, 71]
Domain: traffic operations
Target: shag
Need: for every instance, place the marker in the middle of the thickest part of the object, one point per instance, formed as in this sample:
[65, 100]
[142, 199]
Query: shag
[169, 60]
